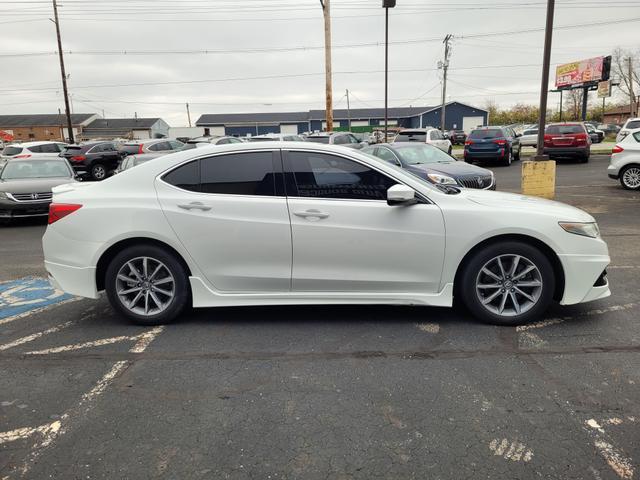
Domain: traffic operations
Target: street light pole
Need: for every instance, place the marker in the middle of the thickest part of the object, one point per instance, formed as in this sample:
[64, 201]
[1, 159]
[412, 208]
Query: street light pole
[64, 74]
[544, 87]
[386, 4]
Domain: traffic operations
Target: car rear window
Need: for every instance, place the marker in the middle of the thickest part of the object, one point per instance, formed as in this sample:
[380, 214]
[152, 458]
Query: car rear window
[637, 136]
[72, 149]
[530, 132]
[411, 137]
[564, 129]
[11, 151]
[486, 134]
[633, 124]
[318, 139]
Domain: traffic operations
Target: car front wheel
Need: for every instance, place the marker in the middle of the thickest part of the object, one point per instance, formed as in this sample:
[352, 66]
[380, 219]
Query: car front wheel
[147, 284]
[508, 283]
[630, 177]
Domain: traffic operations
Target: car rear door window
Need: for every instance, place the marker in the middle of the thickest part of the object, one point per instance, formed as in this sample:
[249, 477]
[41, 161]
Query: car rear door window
[248, 173]
[186, 176]
[35, 149]
[340, 139]
[322, 175]
[633, 124]
[49, 148]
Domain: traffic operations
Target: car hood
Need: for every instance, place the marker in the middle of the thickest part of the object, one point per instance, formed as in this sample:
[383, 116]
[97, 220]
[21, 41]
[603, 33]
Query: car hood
[31, 185]
[456, 169]
[503, 200]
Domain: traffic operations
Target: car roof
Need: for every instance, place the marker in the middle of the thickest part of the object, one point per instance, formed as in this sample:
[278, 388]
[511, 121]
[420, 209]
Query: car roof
[33, 144]
[417, 130]
[36, 159]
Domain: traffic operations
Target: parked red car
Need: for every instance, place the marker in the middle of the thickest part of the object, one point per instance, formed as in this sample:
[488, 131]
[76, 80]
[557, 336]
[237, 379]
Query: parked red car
[567, 140]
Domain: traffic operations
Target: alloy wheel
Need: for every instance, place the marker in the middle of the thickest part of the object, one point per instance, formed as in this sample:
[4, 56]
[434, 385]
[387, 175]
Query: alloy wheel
[145, 286]
[631, 177]
[99, 172]
[509, 285]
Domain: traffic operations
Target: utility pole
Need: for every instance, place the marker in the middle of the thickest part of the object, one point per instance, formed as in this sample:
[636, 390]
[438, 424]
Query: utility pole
[445, 67]
[188, 115]
[326, 10]
[632, 97]
[348, 111]
[63, 73]
[544, 85]
[386, 4]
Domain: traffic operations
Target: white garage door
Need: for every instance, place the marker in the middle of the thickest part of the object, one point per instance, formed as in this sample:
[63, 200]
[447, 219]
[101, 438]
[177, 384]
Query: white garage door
[289, 129]
[217, 131]
[470, 123]
[359, 123]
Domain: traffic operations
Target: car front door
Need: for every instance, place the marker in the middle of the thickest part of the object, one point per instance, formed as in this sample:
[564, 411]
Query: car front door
[230, 213]
[346, 238]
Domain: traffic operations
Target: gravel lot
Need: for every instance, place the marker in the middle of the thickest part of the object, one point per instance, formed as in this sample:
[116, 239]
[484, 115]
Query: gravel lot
[330, 392]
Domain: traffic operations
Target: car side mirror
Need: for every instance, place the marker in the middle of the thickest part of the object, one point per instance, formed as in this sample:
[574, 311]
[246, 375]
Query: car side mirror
[401, 195]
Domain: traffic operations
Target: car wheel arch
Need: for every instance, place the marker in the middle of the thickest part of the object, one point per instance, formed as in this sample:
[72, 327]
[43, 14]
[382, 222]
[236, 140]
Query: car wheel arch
[551, 255]
[109, 254]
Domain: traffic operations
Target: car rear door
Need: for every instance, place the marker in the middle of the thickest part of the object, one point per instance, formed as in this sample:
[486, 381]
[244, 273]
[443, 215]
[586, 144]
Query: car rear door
[230, 213]
[346, 238]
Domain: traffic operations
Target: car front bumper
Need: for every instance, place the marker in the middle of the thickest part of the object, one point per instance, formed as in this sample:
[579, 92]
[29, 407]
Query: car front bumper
[12, 209]
[585, 278]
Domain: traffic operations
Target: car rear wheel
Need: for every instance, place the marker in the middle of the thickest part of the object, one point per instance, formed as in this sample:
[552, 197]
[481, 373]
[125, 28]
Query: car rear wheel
[516, 156]
[147, 284]
[630, 177]
[508, 283]
[584, 159]
[98, 172]
[507, 161]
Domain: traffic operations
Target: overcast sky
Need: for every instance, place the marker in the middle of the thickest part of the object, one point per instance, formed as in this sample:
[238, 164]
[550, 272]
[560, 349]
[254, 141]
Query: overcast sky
[249, 40]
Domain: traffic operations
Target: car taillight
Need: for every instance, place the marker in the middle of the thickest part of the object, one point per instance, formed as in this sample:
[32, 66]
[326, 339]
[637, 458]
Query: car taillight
[78, 158]
[24, 155]
[61, 210]
[547, 138]
[617, 149]
[581, 137]
[140, 148]
[468, 142]
[500, 142]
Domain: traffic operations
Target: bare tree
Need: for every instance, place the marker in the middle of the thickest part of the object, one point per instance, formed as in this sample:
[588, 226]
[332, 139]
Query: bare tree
[620, 71]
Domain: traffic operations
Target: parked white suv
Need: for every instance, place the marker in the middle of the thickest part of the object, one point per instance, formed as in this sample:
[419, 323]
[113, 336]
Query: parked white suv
[625, 161]
[432, 136]
[32, 149]
[629, 125]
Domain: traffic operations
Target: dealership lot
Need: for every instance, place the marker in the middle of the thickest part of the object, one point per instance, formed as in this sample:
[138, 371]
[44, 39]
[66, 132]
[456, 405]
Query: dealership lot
[325, 392]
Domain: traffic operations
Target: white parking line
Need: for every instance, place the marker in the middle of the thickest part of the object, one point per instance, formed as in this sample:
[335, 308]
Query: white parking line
[618, 462]
[80, 346]
[429, 327]
[26, 432]
[54, 430]
[511, 450]
[590, 313]
[32, 337]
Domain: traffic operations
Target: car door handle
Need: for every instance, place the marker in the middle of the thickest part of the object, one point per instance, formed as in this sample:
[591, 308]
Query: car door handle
[313, 213]
[195, 206]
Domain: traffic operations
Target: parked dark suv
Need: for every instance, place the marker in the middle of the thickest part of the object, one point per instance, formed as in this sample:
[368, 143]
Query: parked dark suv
[457, 137]
[492, 143]
[93, 159]
[567, 140]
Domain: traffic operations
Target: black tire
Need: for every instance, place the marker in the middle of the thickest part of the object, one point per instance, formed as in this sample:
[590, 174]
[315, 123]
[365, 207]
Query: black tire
[98, 172]
[182, 292]
[584, 159]
[507, 161]
[450, 151]
[635, 169]
[516, 157]
[471, 274]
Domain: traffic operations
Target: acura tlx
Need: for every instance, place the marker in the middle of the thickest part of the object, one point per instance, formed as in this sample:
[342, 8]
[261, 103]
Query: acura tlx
[300, 223]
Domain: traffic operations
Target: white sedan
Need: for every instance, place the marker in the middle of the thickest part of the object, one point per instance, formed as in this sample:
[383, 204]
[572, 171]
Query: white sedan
[302, 223]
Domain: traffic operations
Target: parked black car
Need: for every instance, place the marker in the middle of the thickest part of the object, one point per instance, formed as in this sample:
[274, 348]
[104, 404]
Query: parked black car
[492, 143]
[434, 165]
[93, 159]
[457, 137]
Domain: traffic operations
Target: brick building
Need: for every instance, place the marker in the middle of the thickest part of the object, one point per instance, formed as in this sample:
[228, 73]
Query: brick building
[37, 127]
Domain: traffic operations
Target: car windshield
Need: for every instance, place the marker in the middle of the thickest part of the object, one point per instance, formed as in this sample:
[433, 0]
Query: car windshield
[318, 139]
[633, 124]
[35, 169]
[564, 129]
[418, 154]
[486, 134]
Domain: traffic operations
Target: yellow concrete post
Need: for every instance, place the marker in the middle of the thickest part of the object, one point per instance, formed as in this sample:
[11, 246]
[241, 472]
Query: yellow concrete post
[539, 178]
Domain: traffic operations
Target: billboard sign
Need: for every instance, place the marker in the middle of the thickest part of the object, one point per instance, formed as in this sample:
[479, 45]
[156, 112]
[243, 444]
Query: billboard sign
[583, 72]
[604, 89]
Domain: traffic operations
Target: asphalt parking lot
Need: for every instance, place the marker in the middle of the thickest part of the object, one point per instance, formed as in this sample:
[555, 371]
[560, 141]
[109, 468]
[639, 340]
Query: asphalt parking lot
[325, 392]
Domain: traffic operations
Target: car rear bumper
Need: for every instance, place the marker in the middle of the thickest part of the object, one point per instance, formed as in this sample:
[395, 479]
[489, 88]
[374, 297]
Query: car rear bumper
[613, 172]
[78, 281]
[479, 155]
[585, 278]
[567, 151]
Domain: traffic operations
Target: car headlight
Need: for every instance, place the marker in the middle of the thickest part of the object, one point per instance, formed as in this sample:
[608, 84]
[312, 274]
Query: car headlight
[585, 229]
[441, 179]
